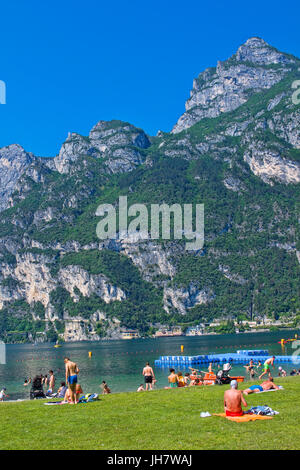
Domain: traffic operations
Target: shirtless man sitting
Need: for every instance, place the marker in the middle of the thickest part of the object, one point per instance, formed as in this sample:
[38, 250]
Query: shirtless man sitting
[71, 378]
[233, 400]
[173, 379]
[267, 385]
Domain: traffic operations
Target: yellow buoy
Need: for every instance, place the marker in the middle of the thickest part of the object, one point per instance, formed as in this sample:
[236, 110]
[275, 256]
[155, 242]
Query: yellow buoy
[90, 354]
[182, 348]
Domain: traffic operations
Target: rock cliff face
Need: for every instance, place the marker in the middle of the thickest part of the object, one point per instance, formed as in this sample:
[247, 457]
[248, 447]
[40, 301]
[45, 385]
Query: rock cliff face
[117, 143]
[236, 148]
[255, 67]
[14, 161]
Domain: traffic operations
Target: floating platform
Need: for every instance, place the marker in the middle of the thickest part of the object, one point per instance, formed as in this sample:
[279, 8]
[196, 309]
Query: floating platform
[240, 357]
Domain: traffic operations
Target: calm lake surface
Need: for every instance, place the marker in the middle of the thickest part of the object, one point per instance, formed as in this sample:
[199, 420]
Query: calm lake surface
[120, 363]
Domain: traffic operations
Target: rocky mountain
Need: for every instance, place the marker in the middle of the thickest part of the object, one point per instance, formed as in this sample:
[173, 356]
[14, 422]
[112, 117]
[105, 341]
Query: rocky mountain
[236, 149]
[14, 162]
[255, 67]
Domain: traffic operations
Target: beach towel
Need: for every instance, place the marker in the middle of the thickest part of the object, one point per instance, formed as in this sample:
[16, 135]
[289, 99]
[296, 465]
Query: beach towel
[244, 418]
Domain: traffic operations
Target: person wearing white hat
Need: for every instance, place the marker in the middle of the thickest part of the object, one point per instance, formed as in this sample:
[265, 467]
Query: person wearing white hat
[233, 400]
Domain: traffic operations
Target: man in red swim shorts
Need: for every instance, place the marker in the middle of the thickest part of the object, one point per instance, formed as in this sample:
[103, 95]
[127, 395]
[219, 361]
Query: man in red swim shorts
[233, 400]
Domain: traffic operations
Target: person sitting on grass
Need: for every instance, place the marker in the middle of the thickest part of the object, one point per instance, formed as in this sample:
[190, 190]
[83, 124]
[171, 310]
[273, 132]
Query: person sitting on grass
[187, 378]
[62, 390]
[267, 385]
[173, 379]
[196, 381]
[180, 380]
[141, 388]
[69, 395]
[233, 400]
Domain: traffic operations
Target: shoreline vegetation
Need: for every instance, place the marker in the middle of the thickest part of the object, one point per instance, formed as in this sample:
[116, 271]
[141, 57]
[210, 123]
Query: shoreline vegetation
[223, 329]
[158, 420]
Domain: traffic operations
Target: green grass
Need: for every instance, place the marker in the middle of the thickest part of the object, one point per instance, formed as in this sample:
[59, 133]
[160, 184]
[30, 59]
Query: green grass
[158, 420]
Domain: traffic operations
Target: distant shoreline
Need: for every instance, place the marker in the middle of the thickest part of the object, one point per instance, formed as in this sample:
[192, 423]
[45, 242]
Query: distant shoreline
[263, 330]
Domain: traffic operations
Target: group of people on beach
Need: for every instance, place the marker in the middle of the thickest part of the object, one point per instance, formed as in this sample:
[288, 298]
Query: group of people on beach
[70, 390]
[47, 382]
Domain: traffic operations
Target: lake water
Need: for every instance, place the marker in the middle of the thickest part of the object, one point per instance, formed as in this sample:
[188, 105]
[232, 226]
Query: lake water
[120, 363]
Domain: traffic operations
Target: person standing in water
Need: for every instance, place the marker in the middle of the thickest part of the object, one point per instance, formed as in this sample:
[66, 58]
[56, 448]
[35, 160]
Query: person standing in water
[3, 394]
[250, 369]
[45, 381]
[149, 376]
[71, 378]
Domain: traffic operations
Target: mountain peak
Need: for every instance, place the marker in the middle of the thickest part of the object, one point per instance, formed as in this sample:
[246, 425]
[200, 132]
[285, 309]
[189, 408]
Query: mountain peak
[256, 66]
[258, 51]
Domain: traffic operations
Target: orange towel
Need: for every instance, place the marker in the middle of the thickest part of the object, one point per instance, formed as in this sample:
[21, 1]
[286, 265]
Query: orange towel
[242, 419]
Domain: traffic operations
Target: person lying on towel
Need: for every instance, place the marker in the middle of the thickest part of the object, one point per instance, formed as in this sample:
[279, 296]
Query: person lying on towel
[233, 400]
[267, 385]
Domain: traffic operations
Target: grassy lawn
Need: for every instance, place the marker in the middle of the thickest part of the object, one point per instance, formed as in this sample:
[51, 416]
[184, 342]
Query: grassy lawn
[158, 420]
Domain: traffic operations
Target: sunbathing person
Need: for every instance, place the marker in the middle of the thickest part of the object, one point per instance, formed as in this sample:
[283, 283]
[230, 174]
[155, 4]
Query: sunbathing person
[267, 385]
[69, 395]
[196, 381]
[62, 390]
[233, 400]
[187, 378]
[180, 380]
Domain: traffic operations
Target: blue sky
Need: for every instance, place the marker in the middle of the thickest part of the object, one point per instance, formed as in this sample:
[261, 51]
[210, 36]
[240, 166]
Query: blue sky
[68, 64]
